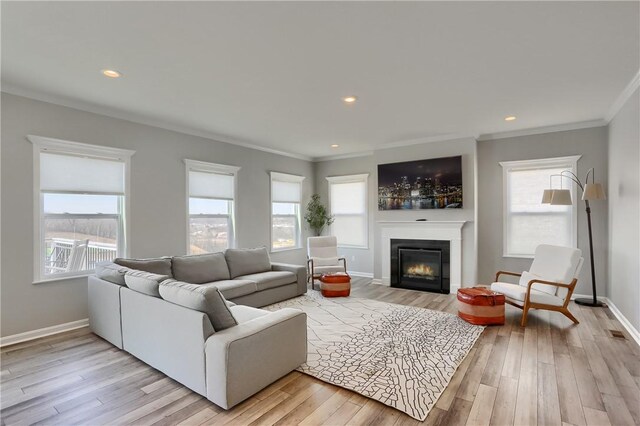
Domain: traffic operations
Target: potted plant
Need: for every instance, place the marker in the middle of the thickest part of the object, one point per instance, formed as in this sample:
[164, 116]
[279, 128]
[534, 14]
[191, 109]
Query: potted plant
[317, 216]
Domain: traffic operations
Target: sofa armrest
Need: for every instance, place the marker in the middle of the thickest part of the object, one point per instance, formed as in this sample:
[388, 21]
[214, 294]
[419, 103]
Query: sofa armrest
[244, 359]
[300, 271]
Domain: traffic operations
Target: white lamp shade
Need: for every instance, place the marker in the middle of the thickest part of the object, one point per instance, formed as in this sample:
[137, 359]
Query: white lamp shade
[561, 197]
[593, 191]
[546, 196]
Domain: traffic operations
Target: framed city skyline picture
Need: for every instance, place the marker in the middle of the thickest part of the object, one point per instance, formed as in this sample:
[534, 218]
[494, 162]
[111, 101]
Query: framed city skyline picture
[435, 183]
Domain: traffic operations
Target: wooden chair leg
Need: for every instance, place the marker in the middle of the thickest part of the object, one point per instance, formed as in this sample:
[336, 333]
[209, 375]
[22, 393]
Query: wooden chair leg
[570, 316]
[525, 311]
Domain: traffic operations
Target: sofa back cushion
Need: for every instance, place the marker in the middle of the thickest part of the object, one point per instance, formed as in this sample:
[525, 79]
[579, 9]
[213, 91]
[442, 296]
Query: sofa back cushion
[111, 272]
[145, 282]
[159, 265]
[247, 261]
[202, 268]
[202, 298]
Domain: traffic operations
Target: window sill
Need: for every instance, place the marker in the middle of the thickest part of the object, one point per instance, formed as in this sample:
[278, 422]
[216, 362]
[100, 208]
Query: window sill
[518, 256]
[65, 278]
[284, 249]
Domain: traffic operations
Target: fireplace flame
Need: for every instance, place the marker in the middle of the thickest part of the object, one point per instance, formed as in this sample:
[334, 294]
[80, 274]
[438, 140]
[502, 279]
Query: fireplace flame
[420, 270]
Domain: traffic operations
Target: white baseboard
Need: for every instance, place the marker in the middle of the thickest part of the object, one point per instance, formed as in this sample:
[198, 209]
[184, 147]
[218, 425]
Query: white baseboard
[360, 274]
[43, 332]
[377, 281]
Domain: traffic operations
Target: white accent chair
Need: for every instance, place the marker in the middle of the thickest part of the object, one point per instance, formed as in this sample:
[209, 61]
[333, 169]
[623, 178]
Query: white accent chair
[322, 258]
[547, 285]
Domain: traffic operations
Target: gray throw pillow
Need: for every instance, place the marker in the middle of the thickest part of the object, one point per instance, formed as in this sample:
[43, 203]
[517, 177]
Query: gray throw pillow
[159, 265]
[144, 282]
[203, 298]
[202, 268]
[111, 272]
[247, 261]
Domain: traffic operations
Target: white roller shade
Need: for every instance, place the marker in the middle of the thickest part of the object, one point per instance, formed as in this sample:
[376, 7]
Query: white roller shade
[348, 198]
[210, 185]
[75, 174]
[285, 192]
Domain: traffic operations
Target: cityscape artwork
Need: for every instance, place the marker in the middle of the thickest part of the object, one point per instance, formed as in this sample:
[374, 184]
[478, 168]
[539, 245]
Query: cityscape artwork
[424, 184]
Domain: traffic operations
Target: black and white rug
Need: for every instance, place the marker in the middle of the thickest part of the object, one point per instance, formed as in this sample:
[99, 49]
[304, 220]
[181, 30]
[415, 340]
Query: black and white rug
[402, 356]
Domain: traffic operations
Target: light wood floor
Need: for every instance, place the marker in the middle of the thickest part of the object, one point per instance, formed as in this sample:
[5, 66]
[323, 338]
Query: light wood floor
[548, 373]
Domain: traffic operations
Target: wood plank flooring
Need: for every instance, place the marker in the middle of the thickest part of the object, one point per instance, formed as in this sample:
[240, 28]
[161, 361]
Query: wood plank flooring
[550, 372]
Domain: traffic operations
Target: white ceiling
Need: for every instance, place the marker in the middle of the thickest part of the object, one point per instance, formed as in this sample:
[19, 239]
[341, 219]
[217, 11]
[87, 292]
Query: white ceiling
[273, 74]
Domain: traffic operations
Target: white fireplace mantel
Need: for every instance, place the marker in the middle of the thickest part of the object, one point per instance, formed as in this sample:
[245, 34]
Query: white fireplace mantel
[444, 230]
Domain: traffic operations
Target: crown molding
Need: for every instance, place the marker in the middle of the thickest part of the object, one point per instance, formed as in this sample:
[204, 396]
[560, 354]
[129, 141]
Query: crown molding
[623, 97]
[343, 156]
[430, 139]
[542, 130]
[140, 119]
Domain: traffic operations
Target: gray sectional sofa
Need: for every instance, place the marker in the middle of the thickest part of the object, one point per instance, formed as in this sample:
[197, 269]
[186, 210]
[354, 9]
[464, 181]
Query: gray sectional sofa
[127, 308]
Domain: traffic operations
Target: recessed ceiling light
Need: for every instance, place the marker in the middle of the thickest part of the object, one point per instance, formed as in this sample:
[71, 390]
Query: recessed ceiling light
[349, 99]
[510, 118]
[335, 145]
[111, 73]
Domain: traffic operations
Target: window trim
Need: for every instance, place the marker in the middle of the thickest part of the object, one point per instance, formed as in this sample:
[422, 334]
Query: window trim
[60, 146]
[362, 177]
[285, 177]
[206, 167]
[569, 163]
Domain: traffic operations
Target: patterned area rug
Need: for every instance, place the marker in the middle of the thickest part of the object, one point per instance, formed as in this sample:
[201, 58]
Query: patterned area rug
[402, 356]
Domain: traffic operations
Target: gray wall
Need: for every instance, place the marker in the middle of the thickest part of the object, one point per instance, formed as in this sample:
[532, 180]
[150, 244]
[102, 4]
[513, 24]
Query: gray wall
[592, 145]
[369, 260]
[158, 212]
[624, 210]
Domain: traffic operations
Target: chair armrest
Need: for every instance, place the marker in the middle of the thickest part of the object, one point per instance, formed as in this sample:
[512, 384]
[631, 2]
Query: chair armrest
[244, 359]
[514, 274]
[563, 285]
[298, 270]
[344, 263]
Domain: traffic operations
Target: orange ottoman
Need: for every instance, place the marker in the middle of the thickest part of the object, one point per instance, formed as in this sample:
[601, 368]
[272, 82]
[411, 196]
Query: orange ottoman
[335, 285]
[481, 306]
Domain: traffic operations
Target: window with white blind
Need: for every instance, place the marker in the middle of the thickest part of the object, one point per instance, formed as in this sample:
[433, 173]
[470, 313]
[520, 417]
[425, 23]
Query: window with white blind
[80, 206]
[529, 223]
[286, 196]
[211, 192]
[348, 206]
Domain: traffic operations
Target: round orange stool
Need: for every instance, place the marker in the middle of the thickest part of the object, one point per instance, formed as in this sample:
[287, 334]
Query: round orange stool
[335, 285]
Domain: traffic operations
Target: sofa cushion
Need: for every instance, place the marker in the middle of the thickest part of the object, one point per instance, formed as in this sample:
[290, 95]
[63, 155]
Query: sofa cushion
[246, 313]
[205, 299]
[144, 282]
[247, 261]
[270, 279]
[202, 268]
[111, 272]
[231, 289]
[159, 265]
[518, 293]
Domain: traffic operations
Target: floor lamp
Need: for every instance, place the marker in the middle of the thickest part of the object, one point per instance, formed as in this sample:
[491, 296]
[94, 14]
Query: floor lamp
[562, 197]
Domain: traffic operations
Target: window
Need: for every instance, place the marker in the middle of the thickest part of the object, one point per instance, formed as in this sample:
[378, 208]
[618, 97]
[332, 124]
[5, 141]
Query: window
[80, 206]
[528, 222]
[348, 205]
[211, 192]
[286, 195]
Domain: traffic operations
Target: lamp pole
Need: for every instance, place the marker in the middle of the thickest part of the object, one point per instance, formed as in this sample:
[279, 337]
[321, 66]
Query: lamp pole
[584, 300]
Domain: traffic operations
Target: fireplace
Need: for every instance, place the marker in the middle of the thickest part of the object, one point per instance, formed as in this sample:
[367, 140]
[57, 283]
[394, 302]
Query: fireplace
[420, 265]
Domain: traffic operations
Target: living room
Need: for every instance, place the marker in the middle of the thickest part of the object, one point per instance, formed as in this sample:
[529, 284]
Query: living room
[142, 130]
